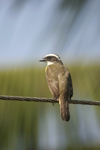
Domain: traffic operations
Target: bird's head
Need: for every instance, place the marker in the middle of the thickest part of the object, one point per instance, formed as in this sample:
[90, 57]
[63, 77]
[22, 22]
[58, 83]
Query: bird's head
[51, 59]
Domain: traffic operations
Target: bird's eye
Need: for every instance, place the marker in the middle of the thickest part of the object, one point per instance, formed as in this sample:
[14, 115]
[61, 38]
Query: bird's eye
[49, 57]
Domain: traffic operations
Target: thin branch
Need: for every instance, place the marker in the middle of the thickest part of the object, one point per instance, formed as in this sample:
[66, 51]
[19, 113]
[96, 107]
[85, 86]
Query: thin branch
[47, 100]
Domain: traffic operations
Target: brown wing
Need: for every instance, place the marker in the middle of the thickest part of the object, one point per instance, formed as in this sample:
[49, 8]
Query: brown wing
[65, 83]
[70, 86]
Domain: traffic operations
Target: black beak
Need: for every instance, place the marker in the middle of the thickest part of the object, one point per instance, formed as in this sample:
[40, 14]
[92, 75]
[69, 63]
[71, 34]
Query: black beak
[42, 60]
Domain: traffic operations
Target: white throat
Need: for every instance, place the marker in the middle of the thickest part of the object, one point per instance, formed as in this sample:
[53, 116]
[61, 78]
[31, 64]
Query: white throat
[49, 63]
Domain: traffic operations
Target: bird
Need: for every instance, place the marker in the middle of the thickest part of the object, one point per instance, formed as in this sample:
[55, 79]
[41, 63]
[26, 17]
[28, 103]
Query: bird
[59, 82]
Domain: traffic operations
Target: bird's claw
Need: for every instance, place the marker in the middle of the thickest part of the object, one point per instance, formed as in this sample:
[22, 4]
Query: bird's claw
[53, 103]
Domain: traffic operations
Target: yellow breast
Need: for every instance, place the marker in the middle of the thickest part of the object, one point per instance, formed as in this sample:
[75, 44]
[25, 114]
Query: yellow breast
[46, 69]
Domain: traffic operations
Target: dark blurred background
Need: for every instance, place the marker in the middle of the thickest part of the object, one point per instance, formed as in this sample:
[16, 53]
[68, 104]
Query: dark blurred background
[30, 29]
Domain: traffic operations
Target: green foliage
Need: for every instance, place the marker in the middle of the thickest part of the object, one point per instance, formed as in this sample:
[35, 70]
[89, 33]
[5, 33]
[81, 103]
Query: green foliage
[19, 121]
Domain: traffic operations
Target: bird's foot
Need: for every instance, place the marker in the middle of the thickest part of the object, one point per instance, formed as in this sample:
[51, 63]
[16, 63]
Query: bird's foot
[53, 103]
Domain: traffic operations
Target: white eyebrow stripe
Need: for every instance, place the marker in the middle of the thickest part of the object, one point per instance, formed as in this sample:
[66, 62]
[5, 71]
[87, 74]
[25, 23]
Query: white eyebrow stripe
[52, 55]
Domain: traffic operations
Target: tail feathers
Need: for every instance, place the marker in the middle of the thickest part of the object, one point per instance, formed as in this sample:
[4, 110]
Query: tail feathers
[64, 108]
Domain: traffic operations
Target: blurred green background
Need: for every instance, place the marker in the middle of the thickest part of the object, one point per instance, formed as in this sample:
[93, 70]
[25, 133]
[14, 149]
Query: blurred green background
[30, 29]
[28, 125]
